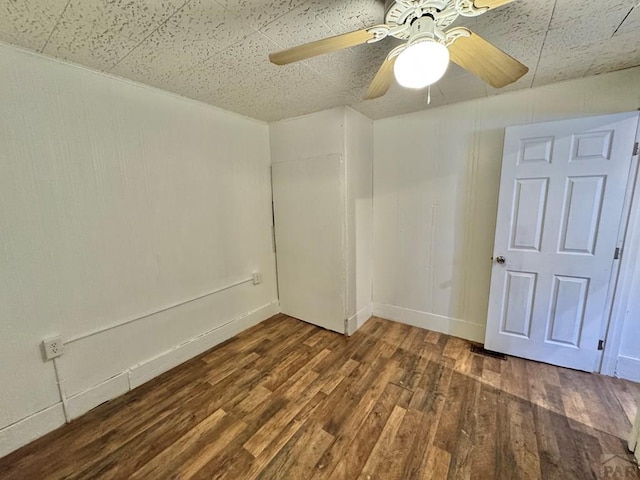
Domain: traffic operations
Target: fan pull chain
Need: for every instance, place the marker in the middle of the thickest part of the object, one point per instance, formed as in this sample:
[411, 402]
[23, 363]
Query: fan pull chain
[429, 95]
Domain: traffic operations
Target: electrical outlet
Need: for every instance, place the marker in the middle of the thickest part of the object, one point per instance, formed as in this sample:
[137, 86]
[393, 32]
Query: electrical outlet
[257, 278]
[53, 347]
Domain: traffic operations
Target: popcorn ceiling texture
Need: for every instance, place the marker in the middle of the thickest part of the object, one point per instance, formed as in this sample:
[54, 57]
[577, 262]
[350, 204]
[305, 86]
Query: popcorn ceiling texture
[217, 51]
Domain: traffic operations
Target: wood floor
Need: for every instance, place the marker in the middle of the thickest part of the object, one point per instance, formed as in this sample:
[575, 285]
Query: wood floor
[287, 400]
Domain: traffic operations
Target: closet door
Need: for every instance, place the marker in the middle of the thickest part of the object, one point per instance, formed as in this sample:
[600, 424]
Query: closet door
[309, 217]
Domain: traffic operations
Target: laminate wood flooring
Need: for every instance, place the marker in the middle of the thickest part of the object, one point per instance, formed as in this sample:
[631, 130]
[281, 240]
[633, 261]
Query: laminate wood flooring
[288, 400]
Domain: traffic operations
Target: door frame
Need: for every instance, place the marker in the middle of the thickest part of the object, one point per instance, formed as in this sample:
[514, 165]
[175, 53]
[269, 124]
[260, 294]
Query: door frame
[622, 273]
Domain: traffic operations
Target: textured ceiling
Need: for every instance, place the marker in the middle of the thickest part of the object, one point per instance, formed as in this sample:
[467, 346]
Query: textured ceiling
[216, 51]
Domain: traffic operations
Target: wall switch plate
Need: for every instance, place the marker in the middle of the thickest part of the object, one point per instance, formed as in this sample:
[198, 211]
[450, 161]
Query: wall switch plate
[53, 347]
[257, 278]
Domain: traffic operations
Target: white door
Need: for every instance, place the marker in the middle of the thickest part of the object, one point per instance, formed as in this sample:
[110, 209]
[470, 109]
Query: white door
[309, 217]
[562, 194]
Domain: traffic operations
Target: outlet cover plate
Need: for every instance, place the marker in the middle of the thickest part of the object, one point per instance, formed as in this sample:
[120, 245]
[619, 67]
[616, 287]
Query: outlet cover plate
[52, 347]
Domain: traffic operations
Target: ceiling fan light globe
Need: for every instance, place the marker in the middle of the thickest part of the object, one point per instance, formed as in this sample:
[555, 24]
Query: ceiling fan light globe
[421, 64]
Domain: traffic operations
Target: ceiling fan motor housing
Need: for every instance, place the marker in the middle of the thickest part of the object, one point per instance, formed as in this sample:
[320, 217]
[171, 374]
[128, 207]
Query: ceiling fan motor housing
[408, 13]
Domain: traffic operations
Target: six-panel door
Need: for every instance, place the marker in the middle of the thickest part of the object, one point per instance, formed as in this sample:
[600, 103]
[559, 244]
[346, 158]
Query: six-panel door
[562, 194]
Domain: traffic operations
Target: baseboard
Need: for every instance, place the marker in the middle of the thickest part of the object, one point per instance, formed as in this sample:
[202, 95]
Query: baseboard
[28, 429]
[356, 321]
[431, 321]
[82, 402]
[145, 371]
[628, 368]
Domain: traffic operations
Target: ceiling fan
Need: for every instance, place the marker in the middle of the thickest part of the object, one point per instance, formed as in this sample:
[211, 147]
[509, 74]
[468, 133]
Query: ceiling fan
[423, 59]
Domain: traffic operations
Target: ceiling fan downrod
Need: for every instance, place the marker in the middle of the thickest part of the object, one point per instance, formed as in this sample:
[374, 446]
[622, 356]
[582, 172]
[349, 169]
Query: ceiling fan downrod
[443, 12]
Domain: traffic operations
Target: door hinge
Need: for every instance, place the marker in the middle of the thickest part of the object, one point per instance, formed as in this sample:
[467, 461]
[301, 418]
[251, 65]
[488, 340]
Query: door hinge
[635, 149]
[617, 254]
[600, 344]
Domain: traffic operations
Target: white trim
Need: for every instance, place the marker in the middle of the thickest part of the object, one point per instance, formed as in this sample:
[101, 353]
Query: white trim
[345, 224]
[148, 314]
[34, 426]
[356, 321]
[628, 368]
[346, 231]
[431, 321]
[82, 402]
[28, 429]
[152, 367]
[634, 438]
[61, 389]
[627, 267]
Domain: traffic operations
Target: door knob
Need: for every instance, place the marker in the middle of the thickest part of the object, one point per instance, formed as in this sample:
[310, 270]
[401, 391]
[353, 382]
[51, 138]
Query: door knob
[501, 260]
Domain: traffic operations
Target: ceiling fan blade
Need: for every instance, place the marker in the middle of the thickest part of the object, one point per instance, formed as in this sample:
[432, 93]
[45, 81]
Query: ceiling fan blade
[490, 3]
[486, 61]
[319, 47]
[382, 81]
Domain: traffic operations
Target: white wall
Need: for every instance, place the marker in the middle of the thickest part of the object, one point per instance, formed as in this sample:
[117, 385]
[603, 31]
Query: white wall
[345, 132]
[116, 201]
[436, 180]
[315, 135]
[359, 162]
